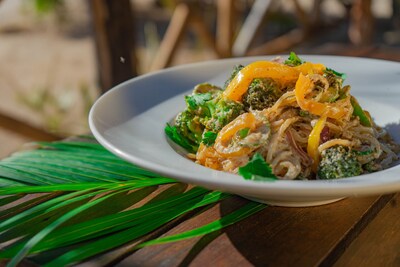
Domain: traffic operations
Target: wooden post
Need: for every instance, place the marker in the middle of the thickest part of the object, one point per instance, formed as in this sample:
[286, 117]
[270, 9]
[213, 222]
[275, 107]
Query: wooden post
[114, 38]
[225, 27]
[361, 29]
[250, 27]
[172, 37]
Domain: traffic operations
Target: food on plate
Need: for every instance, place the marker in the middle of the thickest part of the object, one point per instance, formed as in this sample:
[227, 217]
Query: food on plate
[282, 120]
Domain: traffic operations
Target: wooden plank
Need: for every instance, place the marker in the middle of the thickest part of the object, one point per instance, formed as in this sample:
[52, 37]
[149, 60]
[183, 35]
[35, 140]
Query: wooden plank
[379, 243]
[276, 236]
[114, 36]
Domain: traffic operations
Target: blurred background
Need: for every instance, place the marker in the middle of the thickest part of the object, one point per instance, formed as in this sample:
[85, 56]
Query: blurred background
[58, 56]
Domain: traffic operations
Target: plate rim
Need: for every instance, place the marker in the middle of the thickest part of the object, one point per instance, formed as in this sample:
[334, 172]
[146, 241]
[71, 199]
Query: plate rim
[323, 187]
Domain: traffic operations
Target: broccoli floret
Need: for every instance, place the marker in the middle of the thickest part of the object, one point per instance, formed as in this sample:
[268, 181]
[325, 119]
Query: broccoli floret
[189, 126]
[338, 162]
[224, 111]
[206, 112]
[262, 93]
[213, 110]
[235, 71]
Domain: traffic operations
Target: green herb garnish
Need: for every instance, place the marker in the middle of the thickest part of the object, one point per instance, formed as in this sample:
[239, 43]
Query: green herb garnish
[257, 169]
[209, 138]
[173, 133]
[196, 100]
[359, 112]
[293, 60]
[339, 74]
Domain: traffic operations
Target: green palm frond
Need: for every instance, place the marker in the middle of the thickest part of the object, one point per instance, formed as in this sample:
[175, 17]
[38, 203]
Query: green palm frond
[75, 200]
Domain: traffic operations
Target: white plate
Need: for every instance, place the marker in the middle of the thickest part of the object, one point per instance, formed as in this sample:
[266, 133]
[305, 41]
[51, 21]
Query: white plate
[129, 121]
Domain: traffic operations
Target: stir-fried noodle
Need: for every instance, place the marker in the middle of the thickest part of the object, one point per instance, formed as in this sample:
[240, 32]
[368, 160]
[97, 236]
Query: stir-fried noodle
[297, 115]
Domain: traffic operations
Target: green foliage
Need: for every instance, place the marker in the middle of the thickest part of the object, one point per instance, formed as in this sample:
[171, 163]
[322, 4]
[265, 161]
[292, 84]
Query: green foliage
[90, 205]
[338, 162]
[257, 169]
[45, 6]
[55, 108]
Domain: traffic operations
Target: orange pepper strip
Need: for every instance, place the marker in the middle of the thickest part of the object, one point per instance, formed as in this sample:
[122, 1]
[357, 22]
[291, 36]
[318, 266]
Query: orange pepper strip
[267, 69]
[246, 120]
[208, 157]
[313, 141]
[332, 110]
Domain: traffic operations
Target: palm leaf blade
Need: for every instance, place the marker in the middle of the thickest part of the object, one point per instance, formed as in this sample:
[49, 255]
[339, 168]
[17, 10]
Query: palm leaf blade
[123, 237]
[230, 219]
[82, 178]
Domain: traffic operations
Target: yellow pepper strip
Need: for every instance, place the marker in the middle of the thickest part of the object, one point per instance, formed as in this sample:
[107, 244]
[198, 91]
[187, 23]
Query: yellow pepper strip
[267, 69]
[313, 141]
[310, 68]
[259, 69]
[224, 138]
[331, 110]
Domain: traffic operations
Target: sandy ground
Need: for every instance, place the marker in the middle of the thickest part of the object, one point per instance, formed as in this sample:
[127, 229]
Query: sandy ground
[31, 63]
[37, 57]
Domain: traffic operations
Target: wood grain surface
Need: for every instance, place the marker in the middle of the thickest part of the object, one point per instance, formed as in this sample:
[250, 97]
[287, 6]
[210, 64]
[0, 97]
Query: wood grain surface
[276, 236]
[379, 243]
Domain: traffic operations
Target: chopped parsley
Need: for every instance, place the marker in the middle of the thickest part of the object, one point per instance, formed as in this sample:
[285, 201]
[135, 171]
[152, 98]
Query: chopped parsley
[336, 73]
[257, 169]
[209, 138]
[196, 100]
[293, 60]
[173, 133]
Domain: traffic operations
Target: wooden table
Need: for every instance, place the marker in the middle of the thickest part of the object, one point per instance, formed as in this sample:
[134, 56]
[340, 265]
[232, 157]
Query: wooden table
[362, 231]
